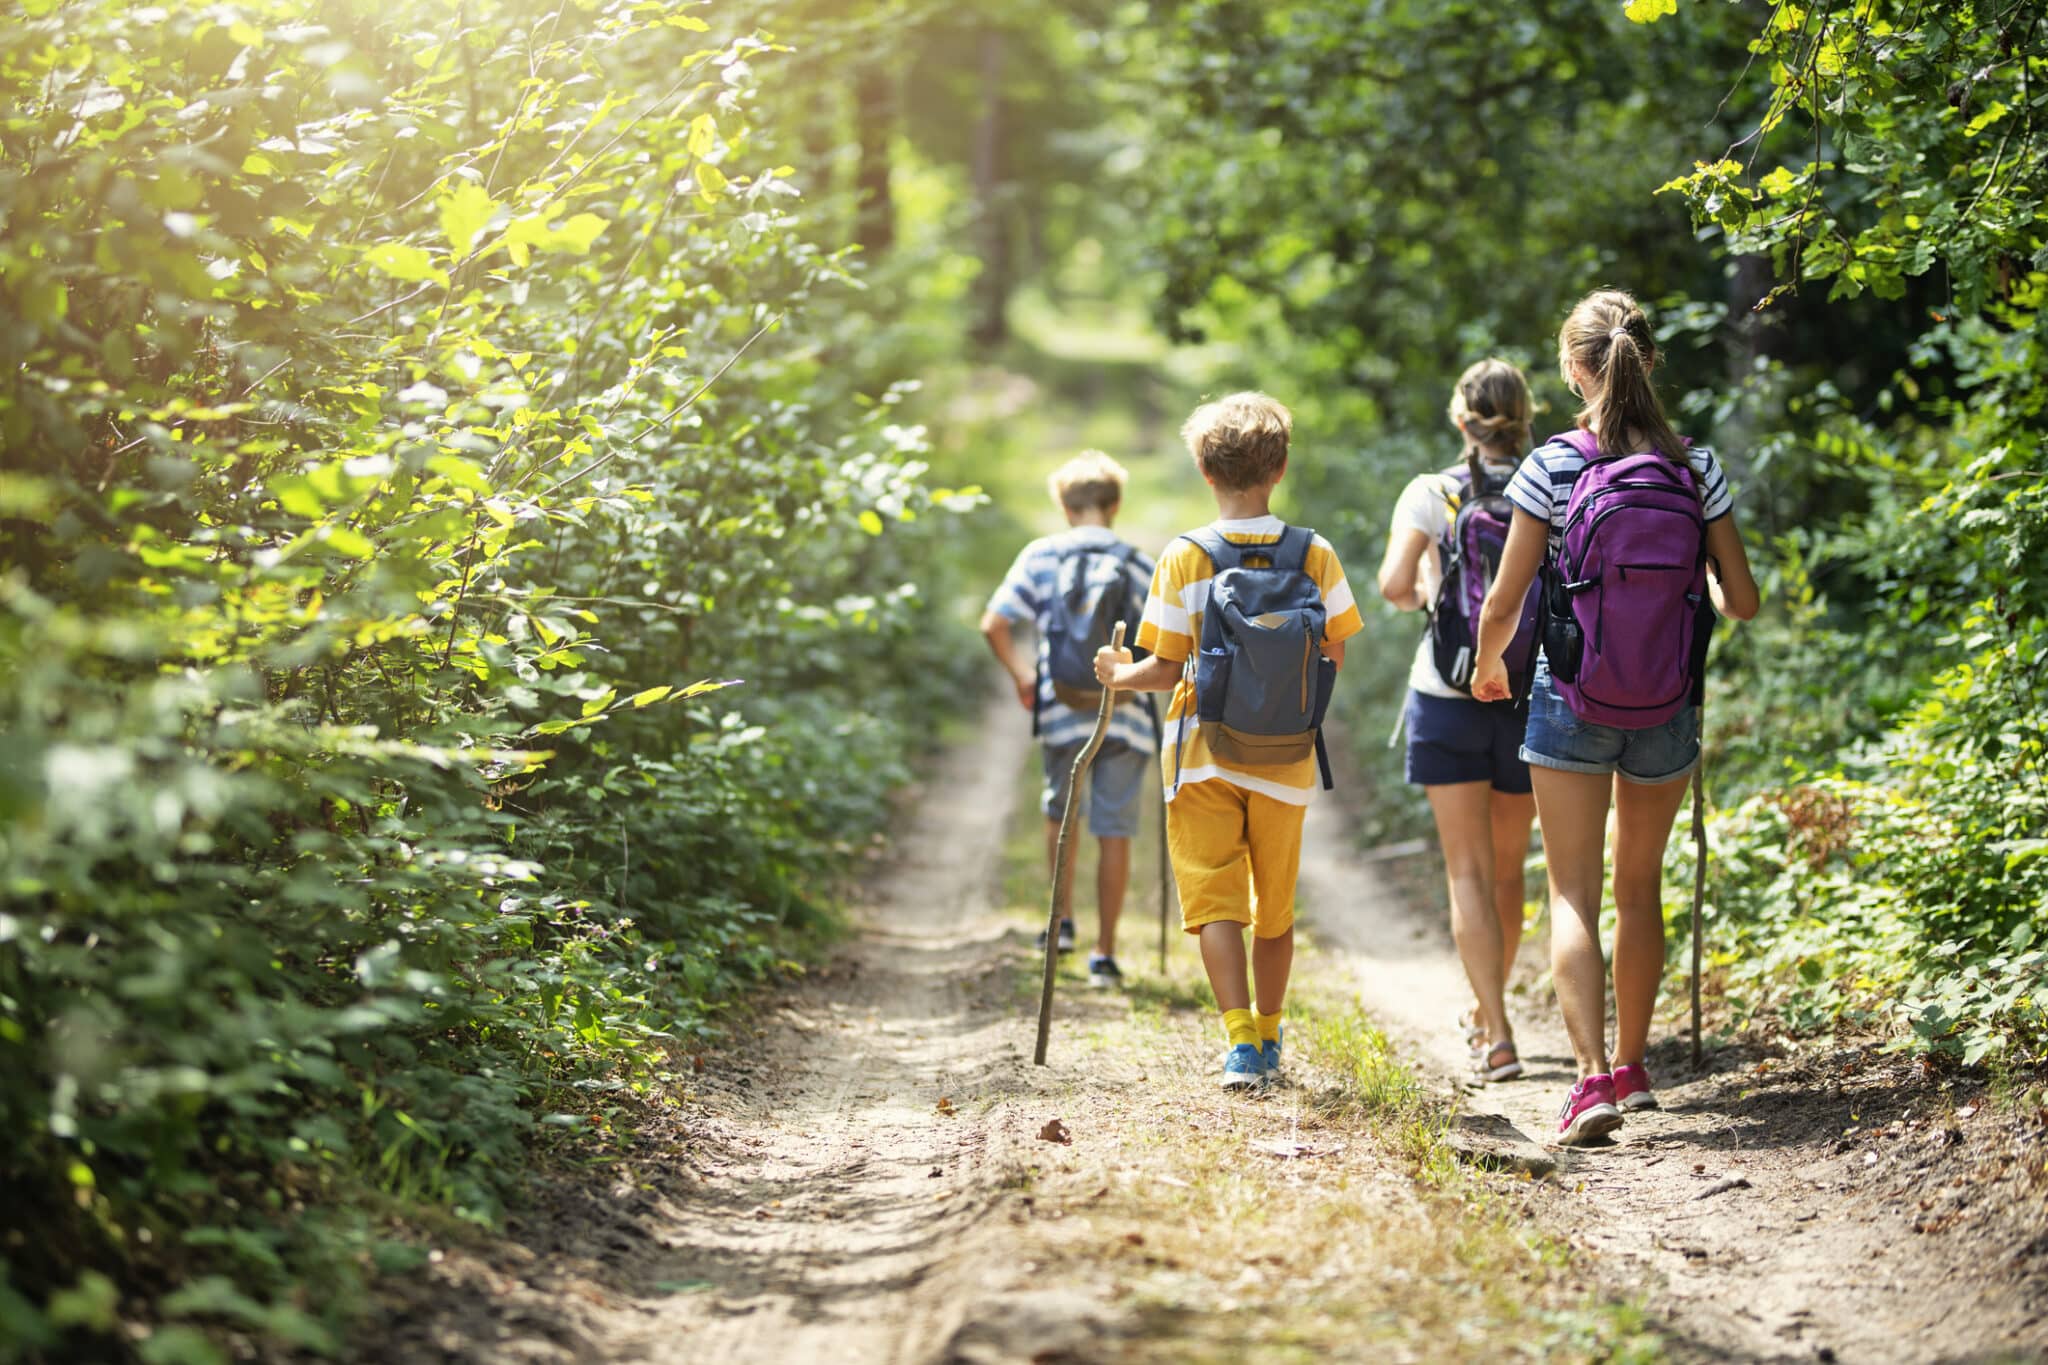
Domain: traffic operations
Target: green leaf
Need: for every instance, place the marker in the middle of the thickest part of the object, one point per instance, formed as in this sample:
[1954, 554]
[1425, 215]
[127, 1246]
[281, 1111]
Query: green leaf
[650, 696]
[464, 216]
[1649, 11]
[870, 522]
[403, 262]
[711, 181]
[703, 139]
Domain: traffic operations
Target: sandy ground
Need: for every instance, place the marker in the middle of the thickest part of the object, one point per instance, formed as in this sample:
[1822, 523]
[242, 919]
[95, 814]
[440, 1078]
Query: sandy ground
[849, 1182]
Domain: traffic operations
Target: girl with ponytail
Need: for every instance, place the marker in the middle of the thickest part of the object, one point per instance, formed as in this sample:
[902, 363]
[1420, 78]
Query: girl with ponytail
[1637, 530]
[1462, 752]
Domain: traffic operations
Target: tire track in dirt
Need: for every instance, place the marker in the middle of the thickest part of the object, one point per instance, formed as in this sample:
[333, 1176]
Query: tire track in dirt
[1886, 1215]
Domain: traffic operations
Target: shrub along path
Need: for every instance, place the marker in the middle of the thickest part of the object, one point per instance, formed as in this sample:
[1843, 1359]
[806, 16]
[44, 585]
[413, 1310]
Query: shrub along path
[872, 1171]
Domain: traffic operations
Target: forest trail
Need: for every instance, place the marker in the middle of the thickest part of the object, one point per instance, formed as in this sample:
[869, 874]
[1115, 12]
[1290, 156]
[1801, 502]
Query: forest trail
[868, 1176]
[1843, 1206]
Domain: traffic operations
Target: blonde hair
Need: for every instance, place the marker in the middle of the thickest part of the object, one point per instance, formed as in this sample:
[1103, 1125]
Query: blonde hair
[1608, 338]
[1091, 481]
[1491, 409]
[1239, 441]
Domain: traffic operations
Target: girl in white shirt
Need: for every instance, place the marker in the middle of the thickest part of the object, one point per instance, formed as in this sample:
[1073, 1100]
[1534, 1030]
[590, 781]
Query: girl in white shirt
[1465, 754]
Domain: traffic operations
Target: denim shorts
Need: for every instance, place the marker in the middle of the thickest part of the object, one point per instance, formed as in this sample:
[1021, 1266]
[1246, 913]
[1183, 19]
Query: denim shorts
[1558, 739]
[1110, 798]
[1457, 739]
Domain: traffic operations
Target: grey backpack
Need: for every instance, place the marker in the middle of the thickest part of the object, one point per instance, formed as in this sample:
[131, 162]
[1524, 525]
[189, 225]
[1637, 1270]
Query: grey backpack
[1092, 591]
[1262, 682]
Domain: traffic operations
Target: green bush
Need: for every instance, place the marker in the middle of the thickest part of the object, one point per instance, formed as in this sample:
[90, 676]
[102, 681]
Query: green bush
[456, 629]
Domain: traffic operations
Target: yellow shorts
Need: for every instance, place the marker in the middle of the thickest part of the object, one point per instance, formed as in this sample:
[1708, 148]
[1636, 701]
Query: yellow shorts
[1235, 856]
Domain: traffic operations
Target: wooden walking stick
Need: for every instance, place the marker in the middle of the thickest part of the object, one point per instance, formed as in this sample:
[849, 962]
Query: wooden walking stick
[1062, 858]
[1699, 891]
[1165, 882]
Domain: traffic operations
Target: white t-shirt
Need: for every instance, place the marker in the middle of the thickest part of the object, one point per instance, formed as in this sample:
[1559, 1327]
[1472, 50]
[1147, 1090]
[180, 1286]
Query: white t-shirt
[1427, 505]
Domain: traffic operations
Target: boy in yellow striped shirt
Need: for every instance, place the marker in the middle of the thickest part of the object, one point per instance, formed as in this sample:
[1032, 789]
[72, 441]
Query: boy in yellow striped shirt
[1233, 828]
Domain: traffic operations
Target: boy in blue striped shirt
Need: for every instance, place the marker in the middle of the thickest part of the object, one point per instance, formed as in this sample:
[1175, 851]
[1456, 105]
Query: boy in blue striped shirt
[1089, 490]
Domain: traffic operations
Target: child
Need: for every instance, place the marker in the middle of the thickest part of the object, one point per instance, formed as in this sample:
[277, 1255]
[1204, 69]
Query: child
[1233, 825]
[1614, 706]
[1463, 753]
[1086, 563]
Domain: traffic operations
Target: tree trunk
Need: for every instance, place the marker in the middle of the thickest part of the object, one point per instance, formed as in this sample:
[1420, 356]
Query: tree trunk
[992, 289]
[874, 98]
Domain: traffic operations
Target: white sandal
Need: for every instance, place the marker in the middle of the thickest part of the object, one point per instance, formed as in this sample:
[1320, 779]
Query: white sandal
[1488, 1073]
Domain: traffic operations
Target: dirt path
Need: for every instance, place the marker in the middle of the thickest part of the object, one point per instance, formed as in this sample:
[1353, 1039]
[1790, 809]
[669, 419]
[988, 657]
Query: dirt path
[863, 1174]
[1883, 1213]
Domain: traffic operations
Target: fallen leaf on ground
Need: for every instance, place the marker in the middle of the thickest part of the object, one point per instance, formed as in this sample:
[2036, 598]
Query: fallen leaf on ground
[945, 1105]
[1055, 1131]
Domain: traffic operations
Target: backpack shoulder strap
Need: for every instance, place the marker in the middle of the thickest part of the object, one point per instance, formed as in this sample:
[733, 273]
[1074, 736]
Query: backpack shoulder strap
[1291, 550]
[1580, 440]
[1213, 543]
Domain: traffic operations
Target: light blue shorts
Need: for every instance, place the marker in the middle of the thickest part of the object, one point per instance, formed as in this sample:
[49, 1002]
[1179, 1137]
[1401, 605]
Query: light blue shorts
[1109, 799]
[1558, 739]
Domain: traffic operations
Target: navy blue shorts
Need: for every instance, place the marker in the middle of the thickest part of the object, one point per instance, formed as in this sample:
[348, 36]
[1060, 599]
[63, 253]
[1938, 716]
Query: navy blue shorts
[1457, 739]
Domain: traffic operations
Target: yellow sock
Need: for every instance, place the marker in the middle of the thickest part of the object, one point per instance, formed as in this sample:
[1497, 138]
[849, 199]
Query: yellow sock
[1269, 1027]
[1238, 1024]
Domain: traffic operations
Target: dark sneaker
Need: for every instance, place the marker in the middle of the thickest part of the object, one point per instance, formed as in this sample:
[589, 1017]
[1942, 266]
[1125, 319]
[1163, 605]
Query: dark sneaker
[1066, 937]
[1103, 971]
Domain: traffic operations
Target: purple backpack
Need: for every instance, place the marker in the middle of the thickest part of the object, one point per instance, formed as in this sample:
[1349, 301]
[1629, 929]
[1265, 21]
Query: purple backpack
[1470, 552]
[1626, 616]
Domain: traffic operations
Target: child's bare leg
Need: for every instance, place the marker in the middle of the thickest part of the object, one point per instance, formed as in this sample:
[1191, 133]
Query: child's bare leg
[1223, 958]
[1112, 876]
[1272, 963]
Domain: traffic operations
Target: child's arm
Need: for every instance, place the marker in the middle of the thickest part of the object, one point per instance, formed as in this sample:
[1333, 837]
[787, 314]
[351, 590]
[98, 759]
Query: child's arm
[1400, 576]
[1501, 613]
[995, 628]
[1333, 650]
[1114, 669]
[1731, 583]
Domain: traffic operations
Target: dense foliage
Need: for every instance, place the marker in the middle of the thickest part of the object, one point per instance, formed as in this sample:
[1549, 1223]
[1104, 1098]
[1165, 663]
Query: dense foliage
[1375, 195]
[458, 616]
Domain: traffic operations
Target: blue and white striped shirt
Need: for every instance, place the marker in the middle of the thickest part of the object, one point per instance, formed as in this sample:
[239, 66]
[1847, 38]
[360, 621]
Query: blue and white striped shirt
[1542, 487]
[1026, 597]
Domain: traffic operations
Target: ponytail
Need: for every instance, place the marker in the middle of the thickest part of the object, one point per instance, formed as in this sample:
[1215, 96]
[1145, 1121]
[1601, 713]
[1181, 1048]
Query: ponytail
[1608, 337]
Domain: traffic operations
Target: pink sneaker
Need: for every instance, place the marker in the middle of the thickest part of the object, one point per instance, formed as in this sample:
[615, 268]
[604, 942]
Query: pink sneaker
[1632, 1088]
[1588, 1112]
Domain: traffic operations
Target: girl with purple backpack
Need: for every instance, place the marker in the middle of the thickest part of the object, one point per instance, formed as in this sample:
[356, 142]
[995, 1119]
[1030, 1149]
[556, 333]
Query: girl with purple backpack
[1631, 527]
[1444, 547]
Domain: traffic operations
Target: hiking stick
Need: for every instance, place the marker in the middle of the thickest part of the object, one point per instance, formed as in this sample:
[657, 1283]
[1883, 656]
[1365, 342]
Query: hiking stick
[1165, 882]
[1063, 854]
[1699, 891]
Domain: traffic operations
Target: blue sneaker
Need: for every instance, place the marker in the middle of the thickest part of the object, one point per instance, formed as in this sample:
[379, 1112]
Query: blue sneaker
[1271, 1053]
[1245, 1065]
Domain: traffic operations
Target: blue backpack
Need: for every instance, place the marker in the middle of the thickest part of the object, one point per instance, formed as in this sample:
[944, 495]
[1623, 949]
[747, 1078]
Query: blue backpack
[1092, 591]
[1262, 682]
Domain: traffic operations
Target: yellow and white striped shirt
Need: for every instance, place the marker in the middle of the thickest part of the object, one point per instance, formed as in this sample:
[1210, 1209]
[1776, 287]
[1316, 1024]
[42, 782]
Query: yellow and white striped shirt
[1173, 624]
